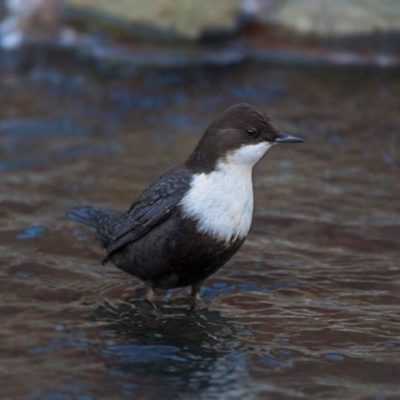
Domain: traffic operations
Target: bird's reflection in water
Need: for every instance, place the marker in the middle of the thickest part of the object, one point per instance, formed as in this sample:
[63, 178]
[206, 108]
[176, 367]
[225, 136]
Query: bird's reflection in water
[182, 351]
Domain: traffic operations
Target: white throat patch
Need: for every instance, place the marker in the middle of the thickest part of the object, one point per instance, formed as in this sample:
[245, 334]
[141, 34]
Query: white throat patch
[221, 202]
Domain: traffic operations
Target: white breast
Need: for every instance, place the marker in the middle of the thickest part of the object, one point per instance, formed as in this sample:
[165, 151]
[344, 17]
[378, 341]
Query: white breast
[221, 202]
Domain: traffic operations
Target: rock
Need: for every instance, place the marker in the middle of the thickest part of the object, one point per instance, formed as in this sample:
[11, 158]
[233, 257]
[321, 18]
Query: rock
[333, 17]
[28, 18]
[187, 19]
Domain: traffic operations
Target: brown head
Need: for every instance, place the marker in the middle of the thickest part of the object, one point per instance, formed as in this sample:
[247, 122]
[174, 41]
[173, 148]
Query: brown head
[241, 133]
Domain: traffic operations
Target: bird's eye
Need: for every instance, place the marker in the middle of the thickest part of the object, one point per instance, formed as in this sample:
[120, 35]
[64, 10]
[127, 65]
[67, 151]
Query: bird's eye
[252, 132]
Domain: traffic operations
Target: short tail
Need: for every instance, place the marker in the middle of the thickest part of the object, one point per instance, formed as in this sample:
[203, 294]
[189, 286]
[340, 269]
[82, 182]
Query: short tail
[103, 221]
[86, 215]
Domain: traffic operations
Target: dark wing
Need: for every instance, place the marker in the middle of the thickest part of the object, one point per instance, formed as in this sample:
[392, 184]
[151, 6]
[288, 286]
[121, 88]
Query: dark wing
[152, 208]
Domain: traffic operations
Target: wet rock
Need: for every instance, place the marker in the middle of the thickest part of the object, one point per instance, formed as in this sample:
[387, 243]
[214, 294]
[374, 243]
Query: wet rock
[327, 17]
[107, 35]
[23, 19]
[187, 19]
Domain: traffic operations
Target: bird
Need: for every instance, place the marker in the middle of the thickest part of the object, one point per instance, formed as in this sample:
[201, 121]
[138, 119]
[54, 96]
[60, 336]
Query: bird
[187, 224]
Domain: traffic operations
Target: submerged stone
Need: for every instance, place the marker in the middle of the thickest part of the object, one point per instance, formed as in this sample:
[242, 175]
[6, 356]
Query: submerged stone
[330, 18]
[187, 19]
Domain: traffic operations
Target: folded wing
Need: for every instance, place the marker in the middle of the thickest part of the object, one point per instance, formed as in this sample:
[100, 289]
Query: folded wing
[153, 207]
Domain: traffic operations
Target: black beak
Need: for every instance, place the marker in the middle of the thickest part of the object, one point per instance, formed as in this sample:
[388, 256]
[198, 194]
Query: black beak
[283, 138]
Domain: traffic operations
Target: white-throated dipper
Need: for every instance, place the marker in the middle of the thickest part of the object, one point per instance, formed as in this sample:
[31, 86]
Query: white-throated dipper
[191, 221]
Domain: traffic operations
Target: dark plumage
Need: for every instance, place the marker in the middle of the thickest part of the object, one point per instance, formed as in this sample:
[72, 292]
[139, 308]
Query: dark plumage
[160, 239]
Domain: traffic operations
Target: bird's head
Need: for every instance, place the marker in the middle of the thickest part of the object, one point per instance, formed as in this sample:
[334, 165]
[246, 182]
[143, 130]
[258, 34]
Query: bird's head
[240, 135]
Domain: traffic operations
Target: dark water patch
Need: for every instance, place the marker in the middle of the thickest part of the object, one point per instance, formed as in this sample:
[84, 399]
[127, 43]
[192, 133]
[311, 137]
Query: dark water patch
[181, 123]
[143, 354]
[56, 344]
[225, 288]
[61, 84]
[18, 206]
[22, 274]
[36, 128]
[74, 152]
[76, 390]
[138, 101]
[271, 91]
[334, 357]
[25, 163]
[271, 362]
[167, 79]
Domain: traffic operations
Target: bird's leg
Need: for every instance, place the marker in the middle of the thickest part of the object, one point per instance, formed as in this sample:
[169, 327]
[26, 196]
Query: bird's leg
[149, 295]
[195, 297]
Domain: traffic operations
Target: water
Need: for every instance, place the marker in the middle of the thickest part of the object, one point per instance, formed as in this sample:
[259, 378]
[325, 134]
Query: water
[309, 308]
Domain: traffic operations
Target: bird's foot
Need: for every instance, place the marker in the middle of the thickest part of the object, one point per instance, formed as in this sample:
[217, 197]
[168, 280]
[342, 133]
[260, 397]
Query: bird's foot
[150, 296]
[196, 301]
[198, 304]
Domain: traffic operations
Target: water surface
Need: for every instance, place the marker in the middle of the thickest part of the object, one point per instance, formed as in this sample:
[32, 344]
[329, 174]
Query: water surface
[309, 308]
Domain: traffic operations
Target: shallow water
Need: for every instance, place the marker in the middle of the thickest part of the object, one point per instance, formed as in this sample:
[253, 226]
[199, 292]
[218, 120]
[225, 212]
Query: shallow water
[310, 306]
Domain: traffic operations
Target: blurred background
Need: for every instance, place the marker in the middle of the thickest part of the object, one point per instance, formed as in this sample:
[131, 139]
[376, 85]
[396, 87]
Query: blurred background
[98, 98]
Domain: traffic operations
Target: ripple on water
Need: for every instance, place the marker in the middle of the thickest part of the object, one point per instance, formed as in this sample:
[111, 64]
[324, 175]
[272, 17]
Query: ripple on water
[309, 307]
[31, 233]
